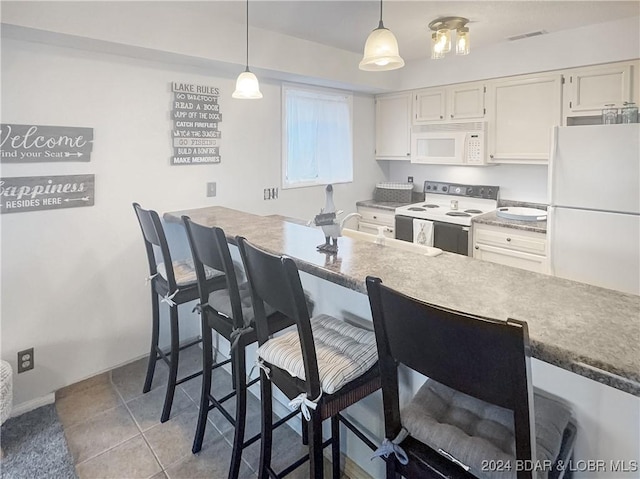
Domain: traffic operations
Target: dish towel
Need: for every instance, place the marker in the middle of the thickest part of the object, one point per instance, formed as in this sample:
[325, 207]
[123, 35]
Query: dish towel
[423, 232]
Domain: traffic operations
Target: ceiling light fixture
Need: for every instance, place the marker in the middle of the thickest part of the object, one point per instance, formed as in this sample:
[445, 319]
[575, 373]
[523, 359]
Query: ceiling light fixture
[381, 50]
[441, 37]
[247, 86]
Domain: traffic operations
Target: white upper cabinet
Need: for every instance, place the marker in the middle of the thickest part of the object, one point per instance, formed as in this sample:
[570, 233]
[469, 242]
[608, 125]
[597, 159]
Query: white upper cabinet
[457, 102]
[522, 111]
[466, 101]
[589, 89]
[429, 105]
[393, 126]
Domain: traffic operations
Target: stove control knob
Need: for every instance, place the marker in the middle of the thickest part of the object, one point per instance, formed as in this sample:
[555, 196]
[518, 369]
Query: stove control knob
[481, 191]
[469, 190]
[458, 190]
[444, 188]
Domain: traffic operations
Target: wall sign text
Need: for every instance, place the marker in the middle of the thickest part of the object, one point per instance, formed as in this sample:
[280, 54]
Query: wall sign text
[196, 124]
[43, 143]
[33, 193]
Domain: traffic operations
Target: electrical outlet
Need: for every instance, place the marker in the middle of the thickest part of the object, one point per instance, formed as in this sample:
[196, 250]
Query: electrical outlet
[410, 179]
[211, 189]
[267, 193]
[25, 360]
[274, 193]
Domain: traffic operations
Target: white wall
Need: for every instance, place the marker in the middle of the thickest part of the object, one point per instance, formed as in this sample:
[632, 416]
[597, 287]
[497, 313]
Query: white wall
[603, 43]
[73, 279]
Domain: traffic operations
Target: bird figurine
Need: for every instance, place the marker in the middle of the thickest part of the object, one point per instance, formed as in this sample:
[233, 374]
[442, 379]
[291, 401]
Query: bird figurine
[327, 221]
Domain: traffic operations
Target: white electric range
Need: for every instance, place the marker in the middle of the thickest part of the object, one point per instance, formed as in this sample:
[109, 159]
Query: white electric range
[444, 217]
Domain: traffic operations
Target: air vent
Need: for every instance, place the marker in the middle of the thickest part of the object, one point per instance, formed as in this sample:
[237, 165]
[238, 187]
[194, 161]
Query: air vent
[527, 35]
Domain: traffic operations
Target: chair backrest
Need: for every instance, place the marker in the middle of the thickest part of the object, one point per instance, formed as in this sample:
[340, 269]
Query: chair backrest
[481, 357]
[275, 280]
[153, 235]
[209, 247]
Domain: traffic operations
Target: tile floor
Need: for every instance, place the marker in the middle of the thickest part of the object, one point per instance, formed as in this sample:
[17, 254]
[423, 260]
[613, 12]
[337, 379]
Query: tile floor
[114, 431]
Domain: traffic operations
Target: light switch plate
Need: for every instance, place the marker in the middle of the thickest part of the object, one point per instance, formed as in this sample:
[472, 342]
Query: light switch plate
[211, 189]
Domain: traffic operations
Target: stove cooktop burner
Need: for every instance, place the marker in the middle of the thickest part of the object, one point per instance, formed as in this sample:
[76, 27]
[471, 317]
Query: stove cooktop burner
[457, 213]
[473, 211]
[430, 206]
[415, 208]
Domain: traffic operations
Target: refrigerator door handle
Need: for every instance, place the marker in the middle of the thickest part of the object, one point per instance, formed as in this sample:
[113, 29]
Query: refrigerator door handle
[553, 151]
[550, 233]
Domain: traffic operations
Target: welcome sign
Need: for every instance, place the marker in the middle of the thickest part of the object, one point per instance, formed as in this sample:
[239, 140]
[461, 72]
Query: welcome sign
[33, 193]
[41, 143]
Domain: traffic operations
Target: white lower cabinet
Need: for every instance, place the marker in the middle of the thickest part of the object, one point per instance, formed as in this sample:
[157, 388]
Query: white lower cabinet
[374, 217]
[511, 247]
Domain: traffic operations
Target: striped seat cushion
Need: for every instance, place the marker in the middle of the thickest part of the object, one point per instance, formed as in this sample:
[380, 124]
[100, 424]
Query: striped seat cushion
[185, 272]
[475, 432]
[344, 352]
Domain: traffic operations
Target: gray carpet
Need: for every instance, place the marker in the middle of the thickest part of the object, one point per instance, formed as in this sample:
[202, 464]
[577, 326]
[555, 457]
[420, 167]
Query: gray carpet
[35, 447]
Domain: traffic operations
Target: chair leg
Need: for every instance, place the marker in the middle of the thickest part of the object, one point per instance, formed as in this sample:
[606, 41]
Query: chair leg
[239, 373]
[207, 363]
[335, 446]
[267, 427]
[305, 431]
[316, 465]
[173, 368]
[155, 333]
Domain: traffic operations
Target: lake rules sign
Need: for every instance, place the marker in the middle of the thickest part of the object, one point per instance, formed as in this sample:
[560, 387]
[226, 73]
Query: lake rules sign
[196, 124]
[33, 193]
[40, 143]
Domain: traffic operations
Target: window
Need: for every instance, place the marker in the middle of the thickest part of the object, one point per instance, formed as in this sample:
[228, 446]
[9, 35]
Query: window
[317, 133]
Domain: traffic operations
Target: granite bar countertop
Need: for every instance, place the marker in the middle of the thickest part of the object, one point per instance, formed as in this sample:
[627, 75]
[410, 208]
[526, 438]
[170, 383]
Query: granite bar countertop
[585, 329]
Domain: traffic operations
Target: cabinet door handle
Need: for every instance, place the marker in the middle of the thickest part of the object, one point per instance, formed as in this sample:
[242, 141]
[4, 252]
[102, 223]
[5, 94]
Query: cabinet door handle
[477, 247]
[508, 240]
[408, 154]
[452, 115]
[441, 117]
[375, 218]
[490, 156]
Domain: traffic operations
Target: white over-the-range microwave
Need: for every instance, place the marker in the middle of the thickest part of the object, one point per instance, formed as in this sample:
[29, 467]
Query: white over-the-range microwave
[459, 143]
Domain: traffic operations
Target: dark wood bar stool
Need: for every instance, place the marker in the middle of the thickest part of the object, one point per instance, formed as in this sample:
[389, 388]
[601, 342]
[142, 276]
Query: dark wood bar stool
[174, 283]
[477, 414]
[228, 312]
[323, 366]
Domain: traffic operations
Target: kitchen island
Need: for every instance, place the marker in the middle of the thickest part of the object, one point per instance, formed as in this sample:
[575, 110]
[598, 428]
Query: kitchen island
[590, 331]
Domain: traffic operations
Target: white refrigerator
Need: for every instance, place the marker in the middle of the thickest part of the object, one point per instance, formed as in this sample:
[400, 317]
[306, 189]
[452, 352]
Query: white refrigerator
[593, 222]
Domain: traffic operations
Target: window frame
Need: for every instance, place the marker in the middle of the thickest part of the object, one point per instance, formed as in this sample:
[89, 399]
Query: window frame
[284, 132]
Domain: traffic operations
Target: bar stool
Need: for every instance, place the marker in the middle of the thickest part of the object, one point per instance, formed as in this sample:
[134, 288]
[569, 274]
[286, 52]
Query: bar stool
[173, 283]
[477, 414]
[323, 366]
[228, 312]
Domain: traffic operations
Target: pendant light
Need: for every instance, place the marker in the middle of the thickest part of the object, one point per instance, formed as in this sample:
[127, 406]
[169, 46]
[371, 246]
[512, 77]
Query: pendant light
[381, 50]
[247, 86]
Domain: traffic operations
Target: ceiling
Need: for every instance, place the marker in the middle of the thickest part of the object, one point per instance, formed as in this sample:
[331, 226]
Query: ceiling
[346, 24]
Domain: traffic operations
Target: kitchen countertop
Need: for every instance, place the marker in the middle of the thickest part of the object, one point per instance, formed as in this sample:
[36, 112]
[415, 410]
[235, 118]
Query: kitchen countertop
[585, 329]
[491, 218]
[381, 205]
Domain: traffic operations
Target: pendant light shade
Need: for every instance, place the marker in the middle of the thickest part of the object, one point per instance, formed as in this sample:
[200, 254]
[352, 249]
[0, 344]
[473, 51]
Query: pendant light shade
[247, 86]
[381, 50]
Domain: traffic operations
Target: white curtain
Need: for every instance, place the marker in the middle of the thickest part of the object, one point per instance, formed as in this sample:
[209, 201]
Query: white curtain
[318, 137]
